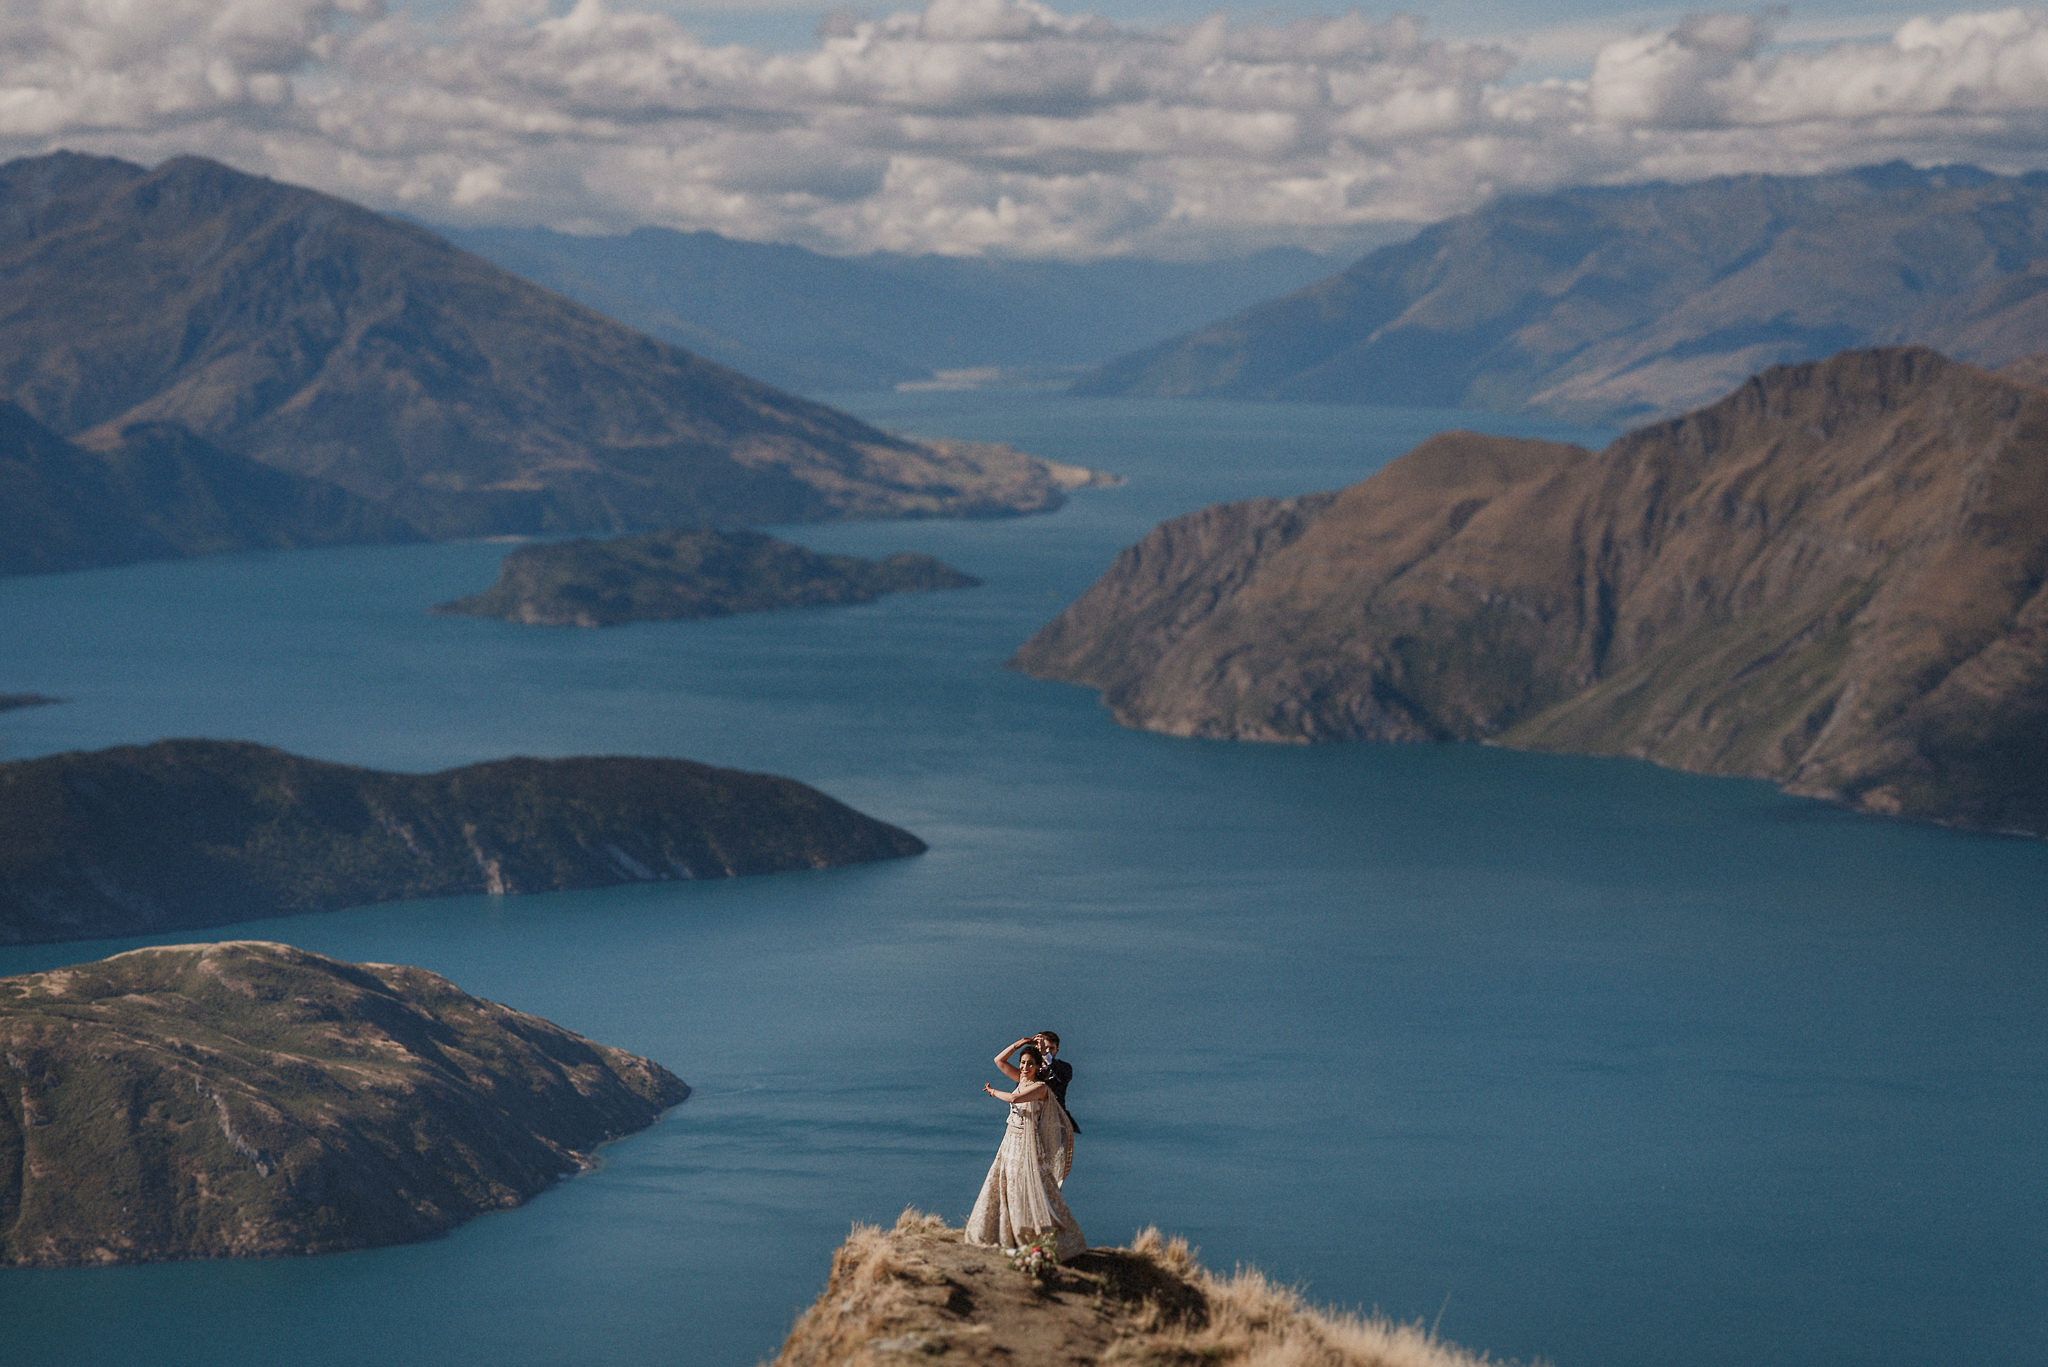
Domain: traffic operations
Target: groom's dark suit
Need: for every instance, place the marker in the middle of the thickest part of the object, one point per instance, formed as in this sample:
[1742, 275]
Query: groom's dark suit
[1058, 1073]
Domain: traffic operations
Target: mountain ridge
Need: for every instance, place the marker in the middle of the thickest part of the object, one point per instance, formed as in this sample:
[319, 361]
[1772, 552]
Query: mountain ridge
[1627, 302]
[311, 334]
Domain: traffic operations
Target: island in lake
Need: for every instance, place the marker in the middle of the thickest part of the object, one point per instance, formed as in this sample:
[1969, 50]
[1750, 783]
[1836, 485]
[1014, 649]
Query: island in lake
[688, 572]
[249, 1099]
[140, 839]
[1836, 578]
[919, 1293]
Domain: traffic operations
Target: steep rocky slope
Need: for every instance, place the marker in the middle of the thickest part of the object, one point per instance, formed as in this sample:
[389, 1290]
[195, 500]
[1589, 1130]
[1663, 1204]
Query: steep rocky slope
[688, 572]
[321, 338]
[917, 1293]
[250, 1099]
[152, 491]
[139, 839]
[1833, 578]
[1633, 301]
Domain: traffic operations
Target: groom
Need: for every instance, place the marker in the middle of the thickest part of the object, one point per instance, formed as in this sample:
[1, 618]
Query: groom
[1058, 1072]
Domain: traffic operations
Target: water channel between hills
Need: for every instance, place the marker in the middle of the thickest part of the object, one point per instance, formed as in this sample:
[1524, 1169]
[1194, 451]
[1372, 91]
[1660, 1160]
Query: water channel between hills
[1593, 1060]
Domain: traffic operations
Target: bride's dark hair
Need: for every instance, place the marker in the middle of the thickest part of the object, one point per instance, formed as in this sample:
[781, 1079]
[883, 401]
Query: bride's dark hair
[1029, 1055]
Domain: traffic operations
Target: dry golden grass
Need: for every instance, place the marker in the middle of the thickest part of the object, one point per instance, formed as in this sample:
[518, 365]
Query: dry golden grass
[916, 1291]
[1253, 1321]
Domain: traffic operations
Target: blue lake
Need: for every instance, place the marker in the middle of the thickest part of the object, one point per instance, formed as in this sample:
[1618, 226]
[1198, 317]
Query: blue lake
[1591, 1060]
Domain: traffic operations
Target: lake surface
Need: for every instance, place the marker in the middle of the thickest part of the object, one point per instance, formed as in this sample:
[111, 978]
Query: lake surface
[1591, 1060]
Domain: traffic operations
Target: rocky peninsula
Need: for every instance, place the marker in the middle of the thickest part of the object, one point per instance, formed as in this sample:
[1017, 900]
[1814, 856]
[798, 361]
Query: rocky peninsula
[1833, 578]
[141, 839]
[916, 1292]
[688, 572]
[248, 1099]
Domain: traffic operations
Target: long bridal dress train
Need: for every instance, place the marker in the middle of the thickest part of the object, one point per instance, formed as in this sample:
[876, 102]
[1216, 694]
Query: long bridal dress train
[1021, 1198]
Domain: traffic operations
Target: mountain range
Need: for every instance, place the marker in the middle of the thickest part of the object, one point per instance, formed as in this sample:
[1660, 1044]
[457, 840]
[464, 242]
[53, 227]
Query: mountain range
[1620, 303]
[316, 337]
[1836, 578]
[820, 324]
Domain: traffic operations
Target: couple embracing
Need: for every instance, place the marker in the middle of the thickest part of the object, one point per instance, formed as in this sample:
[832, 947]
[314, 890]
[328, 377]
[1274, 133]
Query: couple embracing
[1020, 1200]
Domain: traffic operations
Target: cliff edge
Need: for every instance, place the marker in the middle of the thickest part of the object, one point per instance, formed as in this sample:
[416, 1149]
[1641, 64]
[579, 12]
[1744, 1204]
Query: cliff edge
[918, 1293]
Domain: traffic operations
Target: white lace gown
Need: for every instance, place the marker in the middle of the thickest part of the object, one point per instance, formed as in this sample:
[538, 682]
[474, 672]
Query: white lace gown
[1021, 1199]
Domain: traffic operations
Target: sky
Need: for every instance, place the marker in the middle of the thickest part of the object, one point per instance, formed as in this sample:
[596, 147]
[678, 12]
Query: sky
[1010, 127]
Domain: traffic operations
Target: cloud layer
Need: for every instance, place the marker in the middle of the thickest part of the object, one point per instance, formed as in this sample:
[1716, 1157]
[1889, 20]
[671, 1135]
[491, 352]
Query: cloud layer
[984, 125]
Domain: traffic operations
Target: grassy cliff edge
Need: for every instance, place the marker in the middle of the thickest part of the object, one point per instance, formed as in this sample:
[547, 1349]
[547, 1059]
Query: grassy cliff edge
[917, 1292]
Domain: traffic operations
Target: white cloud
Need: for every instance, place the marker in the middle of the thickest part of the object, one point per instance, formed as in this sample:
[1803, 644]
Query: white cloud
[985, 125]
[1685, 78]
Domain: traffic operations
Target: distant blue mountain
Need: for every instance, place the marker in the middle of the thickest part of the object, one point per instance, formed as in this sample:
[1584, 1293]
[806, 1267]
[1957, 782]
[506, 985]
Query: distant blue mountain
[1626, 302]
[824, 324]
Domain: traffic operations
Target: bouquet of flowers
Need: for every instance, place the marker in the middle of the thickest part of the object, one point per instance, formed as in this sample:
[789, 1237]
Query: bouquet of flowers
[1038, 1258]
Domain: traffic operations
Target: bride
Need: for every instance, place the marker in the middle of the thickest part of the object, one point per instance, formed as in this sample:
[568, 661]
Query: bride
[1021, 1199]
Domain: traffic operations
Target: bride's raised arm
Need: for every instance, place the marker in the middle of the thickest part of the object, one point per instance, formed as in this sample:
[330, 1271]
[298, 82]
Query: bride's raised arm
[1003, 1059]
[1030, 1091]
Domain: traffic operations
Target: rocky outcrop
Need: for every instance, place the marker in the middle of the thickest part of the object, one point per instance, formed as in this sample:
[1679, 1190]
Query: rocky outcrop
[688, 572]
[1626, 302]
[248, 1099]
[1833, 578]
[142, 839]
[315, 336]
[918, 1293]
